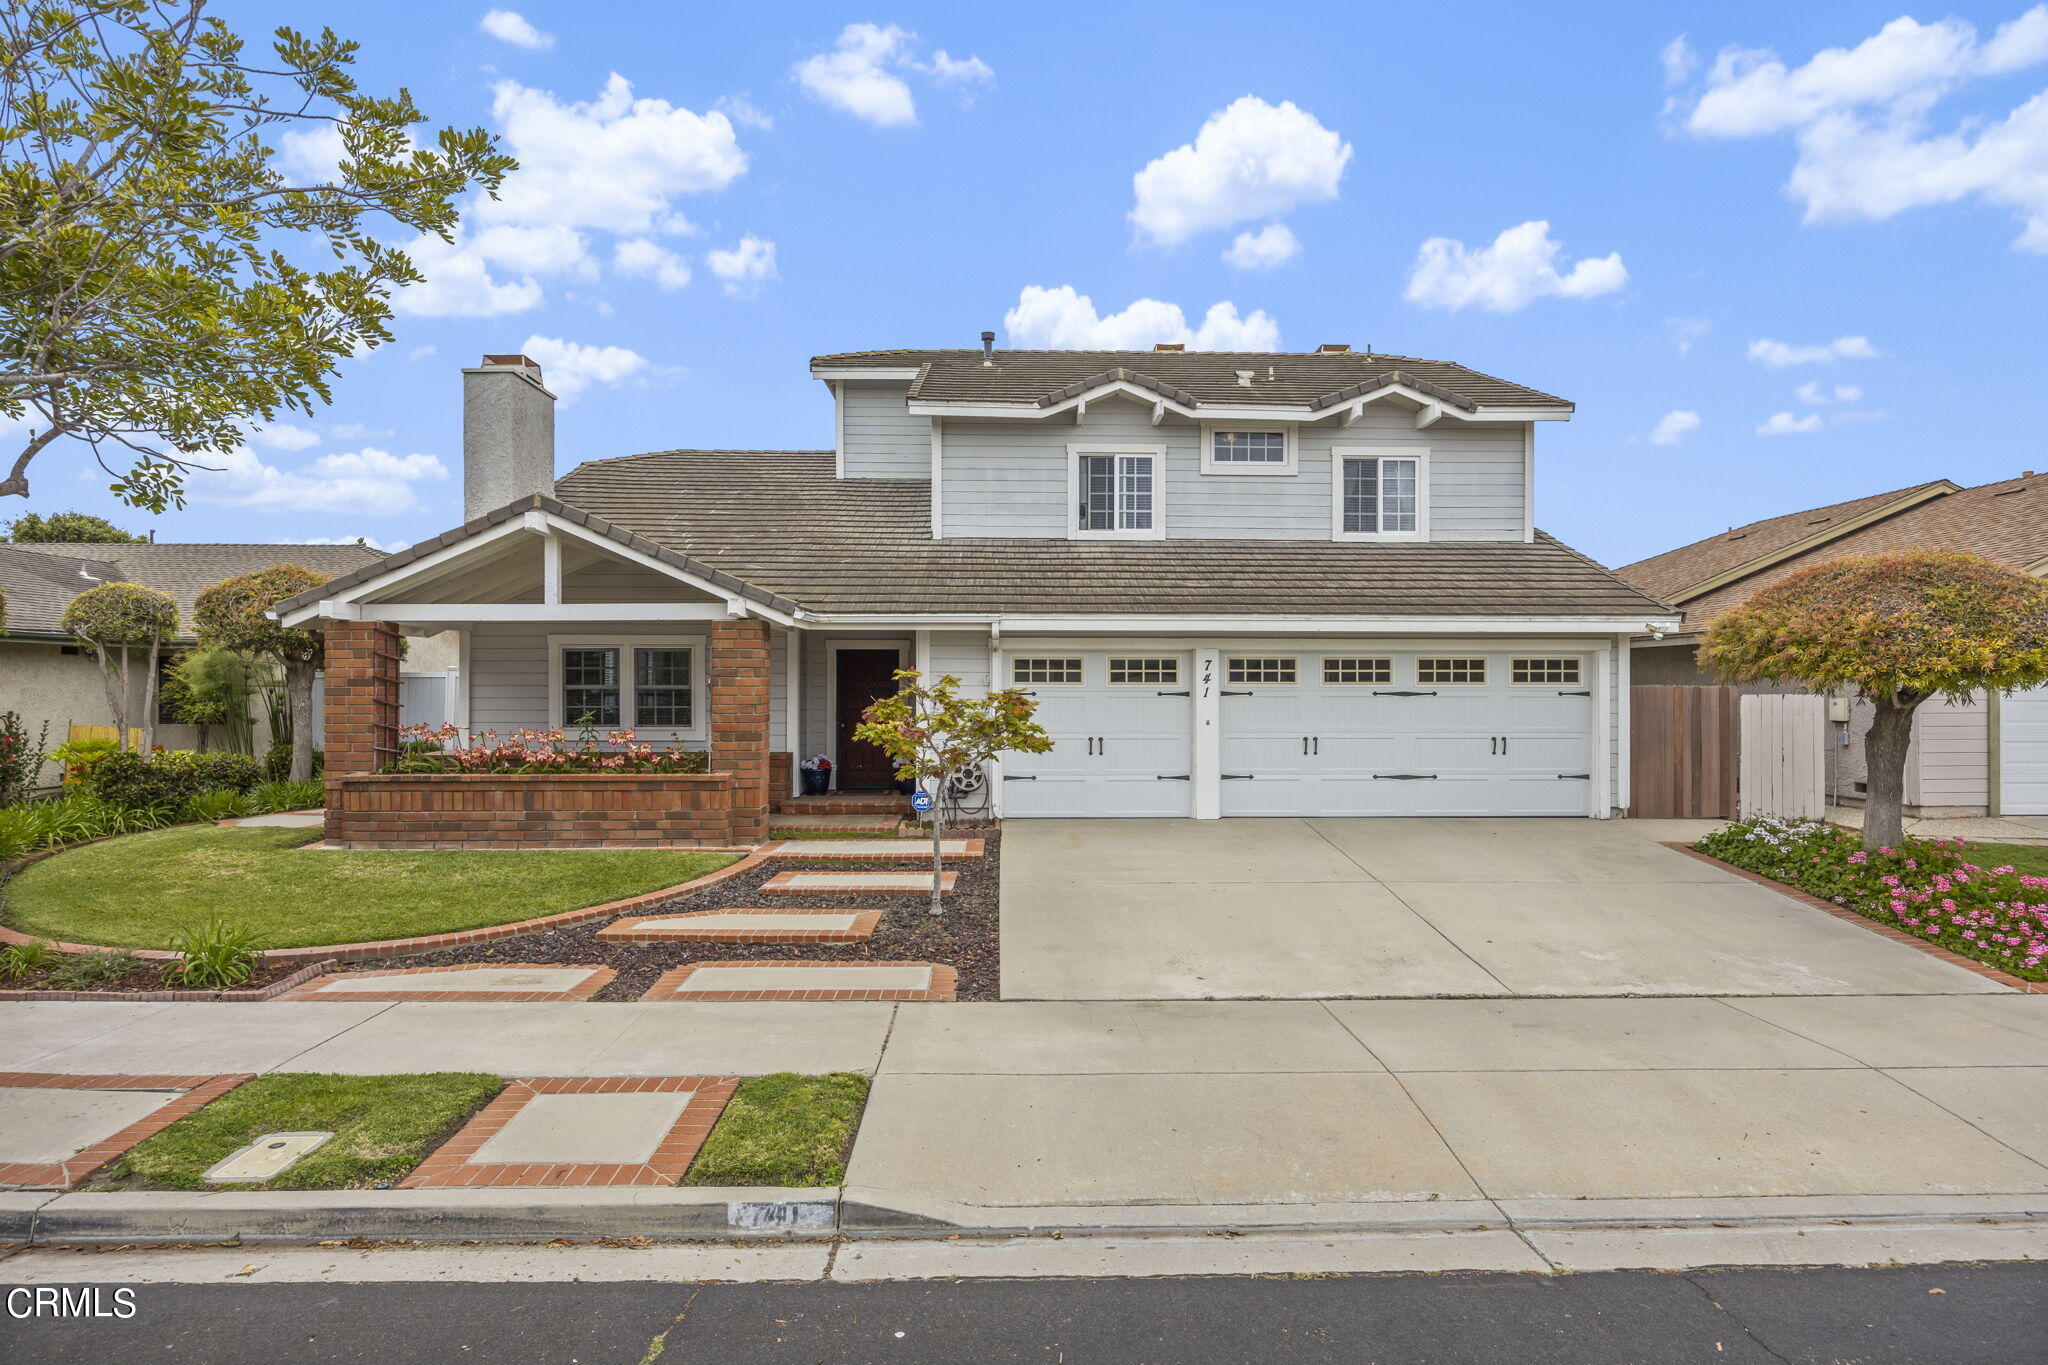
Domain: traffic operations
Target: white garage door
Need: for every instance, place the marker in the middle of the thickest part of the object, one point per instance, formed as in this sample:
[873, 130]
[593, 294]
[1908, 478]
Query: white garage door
[2023, 753]
[1441, 732]
[1120, 724]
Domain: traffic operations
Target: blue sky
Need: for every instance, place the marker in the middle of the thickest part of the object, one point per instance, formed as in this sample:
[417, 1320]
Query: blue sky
[1850, 253]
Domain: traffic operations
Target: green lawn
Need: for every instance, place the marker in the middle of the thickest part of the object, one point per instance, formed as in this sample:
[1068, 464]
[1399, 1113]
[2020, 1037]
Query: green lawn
[2030, 860]
[135, 891]
[783, 1129]
[383, 1126]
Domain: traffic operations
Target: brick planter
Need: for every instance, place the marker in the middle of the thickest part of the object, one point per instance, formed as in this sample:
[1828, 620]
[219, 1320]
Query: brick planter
[552, 810]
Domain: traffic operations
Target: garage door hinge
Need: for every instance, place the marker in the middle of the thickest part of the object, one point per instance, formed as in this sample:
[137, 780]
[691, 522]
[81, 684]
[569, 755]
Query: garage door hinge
[1238, 777]
[1226, 692]
[1575, 777]
[1404, 777]
[1176, 777]
[1404, 694]
[1173, 694]
[1582, 693]
[1013, 777]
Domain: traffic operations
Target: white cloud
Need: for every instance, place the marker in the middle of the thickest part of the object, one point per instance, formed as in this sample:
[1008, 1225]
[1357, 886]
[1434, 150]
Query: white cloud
[1672, 427]
[614, 162]
[1064, 319]
[1519, 267]
[1250, 160]
[509, 26]
[356, 431]
[1271, 246]
[1862, 120]
[640, 256]
[1779, 355]
[1686, 331]
[744, 266]
[367, 481]
[311, 155]
[859, 75]
[422, 352]
[1813, 395]
[549, 250]
[284, 436]
[1679, 61]
[740, 108]
[459, 284]
[1785, 424]
[570, 367]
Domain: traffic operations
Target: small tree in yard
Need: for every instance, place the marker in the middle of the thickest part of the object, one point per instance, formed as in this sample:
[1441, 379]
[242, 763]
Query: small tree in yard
[233, 614]
[117, 619]
[1899, 629]
[934, 732]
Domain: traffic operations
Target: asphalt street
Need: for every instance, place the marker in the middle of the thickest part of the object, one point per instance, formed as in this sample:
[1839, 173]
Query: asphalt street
[1954, 1315]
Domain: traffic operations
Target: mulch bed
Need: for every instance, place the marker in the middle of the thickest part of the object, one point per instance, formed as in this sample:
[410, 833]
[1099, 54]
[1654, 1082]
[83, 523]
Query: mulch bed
[964, 937]
[149, 979]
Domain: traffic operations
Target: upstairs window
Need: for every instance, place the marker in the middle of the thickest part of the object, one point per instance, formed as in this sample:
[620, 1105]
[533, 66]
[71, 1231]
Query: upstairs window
[1247, 450]
[1380, 497]
[1116, 493]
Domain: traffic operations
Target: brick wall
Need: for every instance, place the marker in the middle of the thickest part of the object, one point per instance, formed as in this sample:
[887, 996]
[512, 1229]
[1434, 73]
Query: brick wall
[739, 720]
[362, 696]
[580, 810]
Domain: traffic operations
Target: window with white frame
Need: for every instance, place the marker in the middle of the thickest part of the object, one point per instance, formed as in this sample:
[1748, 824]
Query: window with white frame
[1261, 670]
[1144, 670]
[1564, 671]
[1450, 670]
[1062, 670]
[1247, 450]
[1349, 670]
[1116, 492]
[650, 685]
[1380, 495]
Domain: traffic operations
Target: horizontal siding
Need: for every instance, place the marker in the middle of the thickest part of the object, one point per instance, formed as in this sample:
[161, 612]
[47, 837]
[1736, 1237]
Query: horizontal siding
[883, 441]
[963, 655]
[1950, 760]
[1010, 478]
[509, 670]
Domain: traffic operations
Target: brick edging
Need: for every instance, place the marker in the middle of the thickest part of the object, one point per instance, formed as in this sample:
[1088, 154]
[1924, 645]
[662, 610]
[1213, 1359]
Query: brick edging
[448, 1165]
[256, 995]
[199, 1091]
[334, 953]
[1843, 912]
[597, 979]
[945, 981]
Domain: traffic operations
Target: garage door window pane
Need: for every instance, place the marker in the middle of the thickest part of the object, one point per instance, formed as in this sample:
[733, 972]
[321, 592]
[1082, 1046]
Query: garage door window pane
[590, 686]
[1450, 670]
[1261, 670]
[1358, 670]
[1144, 670]
[1045, 670]
[1564, 672]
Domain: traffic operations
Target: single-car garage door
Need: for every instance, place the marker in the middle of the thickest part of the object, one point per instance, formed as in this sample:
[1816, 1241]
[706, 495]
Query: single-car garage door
[2023, 753]
[1120, 725]
[1441, 732]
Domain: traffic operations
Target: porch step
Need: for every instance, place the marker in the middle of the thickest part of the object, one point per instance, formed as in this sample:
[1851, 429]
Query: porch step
[806, 981]
[843, 803]
[855, 884]
[873, 850]
[747, 926]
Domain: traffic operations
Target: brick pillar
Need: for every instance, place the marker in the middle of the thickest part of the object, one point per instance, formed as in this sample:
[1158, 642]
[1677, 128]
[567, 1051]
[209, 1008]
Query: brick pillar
[739, 721]
[362, 696]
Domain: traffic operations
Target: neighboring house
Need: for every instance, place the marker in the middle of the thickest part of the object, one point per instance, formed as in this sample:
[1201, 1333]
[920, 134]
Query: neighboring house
[1236, 584]
[1988, 755]
[48, 676]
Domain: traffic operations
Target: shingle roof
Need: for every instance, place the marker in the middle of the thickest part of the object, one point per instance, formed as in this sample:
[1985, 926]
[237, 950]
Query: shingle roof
[2006, 522]
[41, 578]
[1314, 381]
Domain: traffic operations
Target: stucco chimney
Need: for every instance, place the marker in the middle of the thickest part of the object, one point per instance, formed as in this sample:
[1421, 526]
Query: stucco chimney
[508, 434]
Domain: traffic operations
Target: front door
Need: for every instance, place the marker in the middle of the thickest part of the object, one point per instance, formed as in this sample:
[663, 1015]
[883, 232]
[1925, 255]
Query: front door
[864, 677]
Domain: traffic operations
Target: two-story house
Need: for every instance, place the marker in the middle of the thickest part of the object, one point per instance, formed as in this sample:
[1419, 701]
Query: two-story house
[1235, 584]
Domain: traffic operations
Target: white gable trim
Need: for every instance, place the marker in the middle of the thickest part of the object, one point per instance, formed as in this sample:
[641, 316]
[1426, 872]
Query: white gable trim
[1225, 412]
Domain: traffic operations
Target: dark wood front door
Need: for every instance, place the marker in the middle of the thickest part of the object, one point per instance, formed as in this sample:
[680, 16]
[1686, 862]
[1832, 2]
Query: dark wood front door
[865, 677]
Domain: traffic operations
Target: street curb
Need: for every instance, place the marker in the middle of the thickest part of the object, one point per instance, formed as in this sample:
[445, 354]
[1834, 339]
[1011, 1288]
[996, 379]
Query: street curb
[430, 1215]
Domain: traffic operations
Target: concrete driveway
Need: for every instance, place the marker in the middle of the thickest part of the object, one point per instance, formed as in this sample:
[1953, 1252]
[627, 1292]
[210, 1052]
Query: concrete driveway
[1241, 909]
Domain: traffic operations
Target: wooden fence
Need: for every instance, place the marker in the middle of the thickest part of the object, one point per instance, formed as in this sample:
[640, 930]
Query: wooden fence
[1784, 756]
[1683, 757]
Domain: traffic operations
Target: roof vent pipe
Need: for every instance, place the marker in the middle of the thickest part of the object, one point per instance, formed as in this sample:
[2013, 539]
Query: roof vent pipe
[988, 348]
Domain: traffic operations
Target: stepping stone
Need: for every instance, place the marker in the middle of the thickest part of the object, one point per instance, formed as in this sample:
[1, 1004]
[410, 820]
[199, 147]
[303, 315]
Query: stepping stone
[55, 1130]
[855, 884]
[511, 981]
[596, 1130]
[733, 981]
[746, 926]
[875, 850]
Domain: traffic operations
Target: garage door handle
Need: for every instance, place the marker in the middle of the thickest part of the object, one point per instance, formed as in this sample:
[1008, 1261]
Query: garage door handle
[1404, 694]
[1575, 777]
[1238, 777]
[1175, 777]
[1012, 777]
[1404, 777]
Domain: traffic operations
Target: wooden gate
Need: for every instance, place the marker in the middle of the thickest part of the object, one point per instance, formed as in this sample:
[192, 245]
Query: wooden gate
[1784, 756]
[1683, 752]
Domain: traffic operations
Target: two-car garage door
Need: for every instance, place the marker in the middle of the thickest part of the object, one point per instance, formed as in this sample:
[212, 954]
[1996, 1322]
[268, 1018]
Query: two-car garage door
[1311, 731]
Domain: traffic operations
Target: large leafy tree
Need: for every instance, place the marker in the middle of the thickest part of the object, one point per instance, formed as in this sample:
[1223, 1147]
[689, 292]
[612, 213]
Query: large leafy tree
[1897, 629]
[71, 528]
[117, 619]
[155, 299]
[234, 614]
[937, 737]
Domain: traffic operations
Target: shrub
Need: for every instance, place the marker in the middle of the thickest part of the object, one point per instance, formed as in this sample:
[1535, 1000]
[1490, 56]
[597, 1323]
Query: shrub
[37, 825]
[277, 762]
[21, 762]
[18, 960]
[169, 779]
[271, 797]
[79, 756]
[220, 804]
[1926, 887]
[84, 971]
[217, 956]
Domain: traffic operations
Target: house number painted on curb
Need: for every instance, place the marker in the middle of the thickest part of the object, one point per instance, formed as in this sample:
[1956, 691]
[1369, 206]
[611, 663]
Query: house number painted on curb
[780, 1214]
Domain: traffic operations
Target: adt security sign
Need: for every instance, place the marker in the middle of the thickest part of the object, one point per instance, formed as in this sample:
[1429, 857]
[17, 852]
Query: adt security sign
[921, 802]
